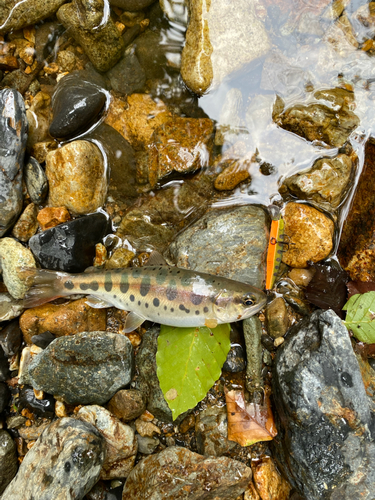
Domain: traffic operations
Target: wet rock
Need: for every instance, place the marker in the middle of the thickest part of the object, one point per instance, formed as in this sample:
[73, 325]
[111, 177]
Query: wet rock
[42, 407]
[43, 339]
[131, 4]
[235, 172]
[71, 246]
[15, 80]
[4, 398]
[180, 145]
[16, 15]
[63, 319]
[147, 445]
[127, 404]
[36, 181]
[145, 428]
[268, 481]
[179, 473]
[13, 131]
[277, 318]
[120, 440]
[13, 256]
[152, 54]
[102, 44]
[39, 117]
[211, 430]
[325, 183]
[221, 38]
[76, 106]
[4, 366]
[236, 359]
[32, 433]
[8, 460]
[309, 233]
[15, 421]
[52, 216]
[325, 436]
[121, 257]
[301, 277]
[330, 123]
[127, 76]
[65, 462]
[85, 368]
[40, 150]
[27, 225]
[77, 177]
[237, 237]
[11, 338]
[176, 10]
[9, 307]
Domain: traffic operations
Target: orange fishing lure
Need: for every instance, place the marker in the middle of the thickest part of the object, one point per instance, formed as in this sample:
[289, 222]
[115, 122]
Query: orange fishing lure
[275, 250]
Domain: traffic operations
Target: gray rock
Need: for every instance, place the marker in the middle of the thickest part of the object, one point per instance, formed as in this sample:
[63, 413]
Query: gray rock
[229, 242]
[15, 15]
[211, 430]
[326, 442]
[8, 460]
[13, 133]
[63, 464]
[132, 5]
[14, 256]
[84, 368]
[151, 54]
[179, 473]
[147, 445]
[127, 76]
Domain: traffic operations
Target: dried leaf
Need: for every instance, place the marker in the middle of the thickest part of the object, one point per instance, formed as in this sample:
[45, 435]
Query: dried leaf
[355, 287]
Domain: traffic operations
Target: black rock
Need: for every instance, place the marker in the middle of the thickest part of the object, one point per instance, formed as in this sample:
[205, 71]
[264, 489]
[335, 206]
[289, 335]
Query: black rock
[41, 407]
[8, 460]
[43, 339]
[13, 133]
[4, 366]
[36, 181]
[76, 105]
[71, 246]
[325, 419]
[4, 396]
[236, 359]
[11, 338]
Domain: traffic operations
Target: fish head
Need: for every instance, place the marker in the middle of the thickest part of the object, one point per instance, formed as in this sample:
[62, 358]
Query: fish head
[236, 305]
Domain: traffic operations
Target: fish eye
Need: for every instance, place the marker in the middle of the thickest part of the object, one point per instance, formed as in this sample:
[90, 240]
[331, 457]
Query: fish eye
[248, 300]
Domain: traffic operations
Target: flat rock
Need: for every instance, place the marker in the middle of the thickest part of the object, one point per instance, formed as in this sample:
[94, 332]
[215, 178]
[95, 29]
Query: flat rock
[64, 463]
[226, 242]
[70, 246]
[13, 131]
[84, 368]
[36, 181]
[8, 460]
[325, 442]
[179, 473]
[16, 15]
[13, 256]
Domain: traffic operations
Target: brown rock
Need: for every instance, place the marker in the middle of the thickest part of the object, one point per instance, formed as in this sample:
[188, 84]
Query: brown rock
[235, 172]
[181, 145]
[77, 178]
[301, 277]
[309, 233]
[179, 473]
[52, 216]
[40, 150]
[25, 50]
[137, 118]
[66, 319]
[277, 318]
[127, 404]
[251, 493]
[268, 482]
[121, 257]
[27, 224]
[39, 116]
[146, 428]
[8, 62]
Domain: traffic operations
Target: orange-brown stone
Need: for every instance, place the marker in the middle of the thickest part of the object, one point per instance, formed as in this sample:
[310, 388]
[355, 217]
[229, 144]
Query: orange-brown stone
[52, 216]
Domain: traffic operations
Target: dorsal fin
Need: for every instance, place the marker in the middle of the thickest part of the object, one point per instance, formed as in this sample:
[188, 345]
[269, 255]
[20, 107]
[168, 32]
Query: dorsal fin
[156, 259]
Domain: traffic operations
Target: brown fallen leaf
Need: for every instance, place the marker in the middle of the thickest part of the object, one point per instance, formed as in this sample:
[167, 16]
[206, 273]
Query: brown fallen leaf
[249, 423]
[355, 287]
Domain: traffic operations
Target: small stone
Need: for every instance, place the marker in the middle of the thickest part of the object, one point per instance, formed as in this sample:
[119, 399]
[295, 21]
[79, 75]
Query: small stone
[66, 60]
[268, 481]
[100, 255]
[76, 176]
[63, 319]
[4, 399]
[14, 256]
[121, 257]
[52, 216]
[39, 117]
[301, 277]
[65, 462]
[24, 50]
[147, 445]
[61, 409]
[15, 421]
[11, 338]
[232, 175]
[33, 432]
[36, 181]
[27, 225]
[8, 460]
[309, 233]
[4, 366]
[84, 368]
[10, 308]
[43, 408]
[146, 428]
[127, 404]
[128, 76]
[211, 430]
[40, 150]
[277, 318]
[8, 62]
[43, 340]
[236, 359]
[278, 341]
[179, 473]
[70, 246]
[15, 15]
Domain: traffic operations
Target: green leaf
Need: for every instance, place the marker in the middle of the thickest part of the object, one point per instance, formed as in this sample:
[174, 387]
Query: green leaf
[360, 316]
[189, 362]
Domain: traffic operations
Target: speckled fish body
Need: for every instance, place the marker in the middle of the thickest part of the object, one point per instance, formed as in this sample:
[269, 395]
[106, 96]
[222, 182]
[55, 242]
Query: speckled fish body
[164, 294]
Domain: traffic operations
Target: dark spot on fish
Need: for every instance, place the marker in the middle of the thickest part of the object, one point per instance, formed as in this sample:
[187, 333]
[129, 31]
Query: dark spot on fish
[146, 305]
[178, 272]
[145, 286]
[162, 275]
[196, 299]
[186, 280]
[158, 314]
[154, 268]
[171, 291]
[115, 296]
[84, 286]
[94, 285]
[172, 309]
[205, 309]
[132, 298]
[156, 302]
[139, 302]
[124, 284]
[69, 285]
[165, 308]
[183, 308]
[197, 312]
[136, 272]
[108, 282]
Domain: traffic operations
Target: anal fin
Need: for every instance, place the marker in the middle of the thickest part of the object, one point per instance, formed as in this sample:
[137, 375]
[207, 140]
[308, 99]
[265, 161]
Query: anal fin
[211, 323]
[97, 303]
[133, 321]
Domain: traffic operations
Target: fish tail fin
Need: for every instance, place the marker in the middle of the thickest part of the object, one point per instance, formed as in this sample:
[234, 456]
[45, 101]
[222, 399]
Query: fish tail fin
[44, 286]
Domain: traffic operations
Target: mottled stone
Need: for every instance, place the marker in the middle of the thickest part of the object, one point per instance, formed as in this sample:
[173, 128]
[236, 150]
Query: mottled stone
[102, 43]
[120, 441]
[36, 181]
[325, 442]
[234, 172]
[63, 319]
[147, 445]
[13, 131]
[15, 15]
[9, 307]
[64, 463]
[211, 430]
[309, 233]
[13, 256]
[27, 225]
[84, 368]
[39, 117]
[77, 177]
[127, 76]
[222, 37]
[127, 404]
[8, 460]
[121, 257]
[277, 318]
[145, 428]
[40, 150]
[180, 473]
[52, 216]
[268, 481]
[152, 54]
[237, 238]
[131, 4]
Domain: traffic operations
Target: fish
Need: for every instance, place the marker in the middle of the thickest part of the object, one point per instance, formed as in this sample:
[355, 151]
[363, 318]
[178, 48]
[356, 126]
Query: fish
[156, 292]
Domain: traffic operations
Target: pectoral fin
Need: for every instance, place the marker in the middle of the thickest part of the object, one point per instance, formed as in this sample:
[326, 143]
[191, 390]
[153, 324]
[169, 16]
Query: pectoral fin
[210, 323]
[133, 321]
[97, 303]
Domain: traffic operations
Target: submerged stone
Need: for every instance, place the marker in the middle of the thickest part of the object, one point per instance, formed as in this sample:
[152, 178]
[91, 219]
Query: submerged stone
[14, 256]
[8, 460]
[36, 181]
[16, 15]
